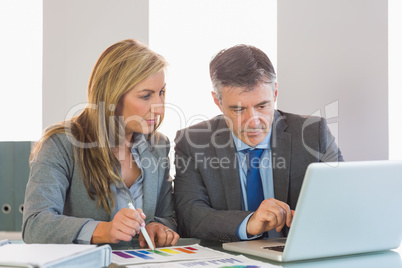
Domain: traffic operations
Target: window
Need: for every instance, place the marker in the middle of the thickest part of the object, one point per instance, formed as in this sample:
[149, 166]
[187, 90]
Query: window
[21, 70]
[394, 79]
[189, 33]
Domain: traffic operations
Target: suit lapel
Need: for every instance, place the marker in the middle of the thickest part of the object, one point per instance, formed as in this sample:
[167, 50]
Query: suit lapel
[230, 175]
[281, 150]
[150, 182]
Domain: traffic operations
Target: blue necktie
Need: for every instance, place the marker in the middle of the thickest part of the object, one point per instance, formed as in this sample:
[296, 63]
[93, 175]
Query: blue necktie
[255, 193]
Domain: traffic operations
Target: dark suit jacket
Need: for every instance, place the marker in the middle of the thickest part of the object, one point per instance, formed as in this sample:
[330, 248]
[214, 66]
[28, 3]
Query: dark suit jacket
[208, 197]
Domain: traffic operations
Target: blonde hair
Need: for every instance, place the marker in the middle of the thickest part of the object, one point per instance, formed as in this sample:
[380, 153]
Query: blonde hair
[120, 67]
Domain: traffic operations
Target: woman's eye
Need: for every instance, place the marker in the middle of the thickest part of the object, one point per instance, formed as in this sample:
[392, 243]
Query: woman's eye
[161, 92]
[146, 97]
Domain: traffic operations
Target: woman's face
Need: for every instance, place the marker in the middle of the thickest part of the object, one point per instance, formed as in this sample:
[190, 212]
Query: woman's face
[142, 106]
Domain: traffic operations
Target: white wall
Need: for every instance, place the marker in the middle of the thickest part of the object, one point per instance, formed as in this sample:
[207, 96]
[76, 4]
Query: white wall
[75, 33]
[334, 54]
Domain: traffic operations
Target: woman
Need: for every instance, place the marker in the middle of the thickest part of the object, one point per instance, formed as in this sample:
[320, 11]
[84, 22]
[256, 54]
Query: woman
[86, 170]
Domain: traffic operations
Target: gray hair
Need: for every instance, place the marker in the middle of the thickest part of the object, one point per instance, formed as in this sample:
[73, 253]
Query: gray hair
[242, 66]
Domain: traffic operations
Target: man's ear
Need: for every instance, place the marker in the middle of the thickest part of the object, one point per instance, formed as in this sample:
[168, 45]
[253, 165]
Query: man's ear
[276, 91]
[216, 100]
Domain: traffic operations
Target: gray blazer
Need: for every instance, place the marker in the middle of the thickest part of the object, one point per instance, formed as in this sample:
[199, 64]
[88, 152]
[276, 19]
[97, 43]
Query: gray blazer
[208, 197]
[57, 204]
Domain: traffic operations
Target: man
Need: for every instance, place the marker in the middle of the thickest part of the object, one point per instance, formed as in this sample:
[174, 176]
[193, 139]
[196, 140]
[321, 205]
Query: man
[222, 191]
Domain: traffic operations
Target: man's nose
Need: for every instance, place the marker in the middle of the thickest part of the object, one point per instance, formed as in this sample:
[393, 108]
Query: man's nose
[253, 118]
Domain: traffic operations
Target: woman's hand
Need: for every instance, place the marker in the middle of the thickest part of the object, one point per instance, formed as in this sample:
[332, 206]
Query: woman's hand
[125, 224]
[160, 235]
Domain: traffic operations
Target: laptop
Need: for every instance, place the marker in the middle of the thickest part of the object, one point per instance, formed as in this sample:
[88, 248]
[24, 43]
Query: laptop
[343, 208]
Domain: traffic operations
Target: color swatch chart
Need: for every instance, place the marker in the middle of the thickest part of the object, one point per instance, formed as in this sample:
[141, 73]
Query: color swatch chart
[238, 261]
[166, 254]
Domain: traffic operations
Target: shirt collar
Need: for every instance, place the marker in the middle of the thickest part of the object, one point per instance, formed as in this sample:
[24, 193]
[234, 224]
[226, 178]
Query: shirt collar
[240, 145]
[139, 143]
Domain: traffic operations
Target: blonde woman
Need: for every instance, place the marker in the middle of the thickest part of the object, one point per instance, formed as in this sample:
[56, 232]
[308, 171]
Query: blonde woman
[84, 171]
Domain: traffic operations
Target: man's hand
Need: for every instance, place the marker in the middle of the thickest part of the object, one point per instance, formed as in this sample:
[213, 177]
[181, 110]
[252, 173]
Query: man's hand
[160, 235]
[270, 214]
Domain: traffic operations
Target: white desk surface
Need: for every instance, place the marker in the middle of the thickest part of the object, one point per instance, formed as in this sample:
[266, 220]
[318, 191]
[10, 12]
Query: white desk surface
[18, 237]
[10, 235]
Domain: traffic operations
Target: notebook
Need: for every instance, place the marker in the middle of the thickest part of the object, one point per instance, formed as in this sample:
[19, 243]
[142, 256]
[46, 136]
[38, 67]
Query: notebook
[53, 255]
[343, 208]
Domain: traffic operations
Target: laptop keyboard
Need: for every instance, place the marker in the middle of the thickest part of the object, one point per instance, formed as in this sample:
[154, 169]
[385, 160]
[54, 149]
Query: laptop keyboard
[276, 248]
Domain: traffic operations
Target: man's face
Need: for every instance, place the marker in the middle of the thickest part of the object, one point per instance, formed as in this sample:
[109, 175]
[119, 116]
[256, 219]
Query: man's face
[249, 115]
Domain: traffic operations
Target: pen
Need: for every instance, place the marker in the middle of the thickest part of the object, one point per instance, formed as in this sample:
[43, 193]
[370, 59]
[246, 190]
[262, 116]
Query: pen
[143, 230]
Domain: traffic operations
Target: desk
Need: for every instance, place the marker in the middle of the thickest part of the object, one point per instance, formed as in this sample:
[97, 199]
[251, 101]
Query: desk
[388, 259]
[17, 236]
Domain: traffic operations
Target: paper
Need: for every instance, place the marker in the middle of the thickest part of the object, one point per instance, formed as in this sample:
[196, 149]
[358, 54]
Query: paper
[4, 242]
[231, 261]
[166, 254]
[39, 254]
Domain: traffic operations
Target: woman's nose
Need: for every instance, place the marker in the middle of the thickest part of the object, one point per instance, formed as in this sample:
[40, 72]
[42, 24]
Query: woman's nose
[158, 106]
